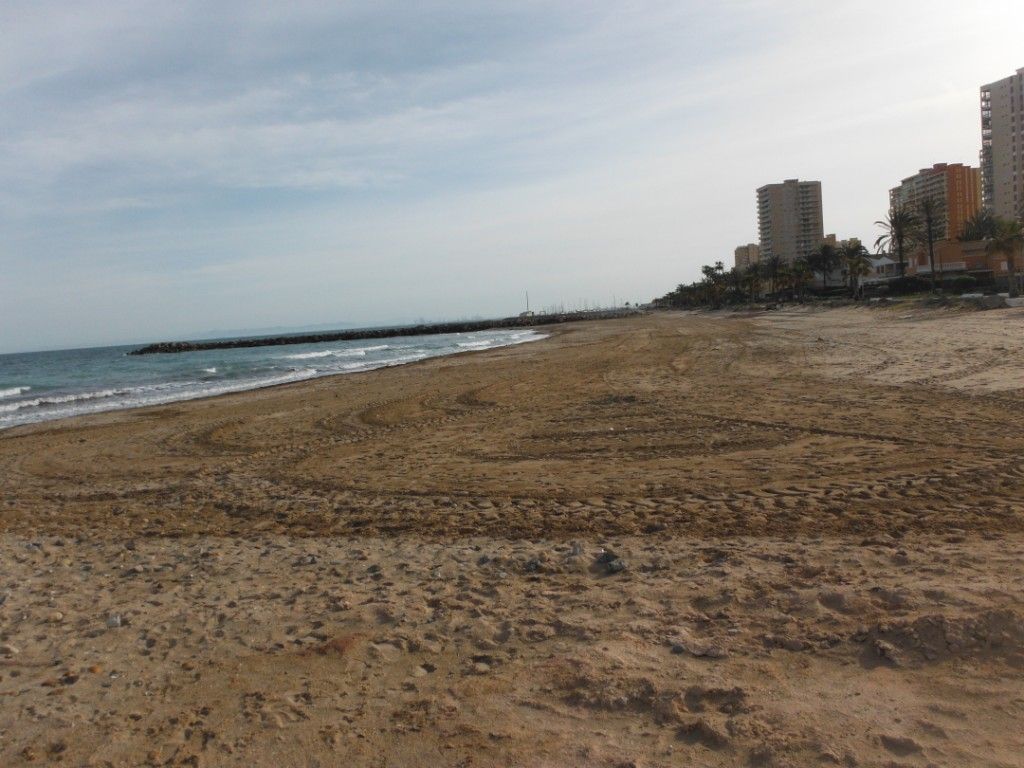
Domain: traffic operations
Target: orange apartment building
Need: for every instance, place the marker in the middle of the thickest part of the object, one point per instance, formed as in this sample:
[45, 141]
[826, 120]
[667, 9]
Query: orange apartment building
[955, 186]
[957, 189]
[953, 257]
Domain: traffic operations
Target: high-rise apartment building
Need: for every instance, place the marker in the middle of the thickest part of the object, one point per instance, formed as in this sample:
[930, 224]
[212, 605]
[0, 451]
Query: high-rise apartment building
[789, 219]
[955, 187]
[1002, 146]
[746, 255]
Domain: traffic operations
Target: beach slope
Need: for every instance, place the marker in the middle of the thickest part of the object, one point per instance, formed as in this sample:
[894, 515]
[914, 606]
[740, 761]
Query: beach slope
[785, 539]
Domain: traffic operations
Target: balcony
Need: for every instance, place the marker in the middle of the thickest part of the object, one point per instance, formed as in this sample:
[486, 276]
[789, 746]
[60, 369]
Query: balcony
[948, 266]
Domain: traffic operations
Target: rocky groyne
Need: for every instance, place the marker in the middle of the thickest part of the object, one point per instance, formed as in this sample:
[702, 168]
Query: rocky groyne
[527, 321]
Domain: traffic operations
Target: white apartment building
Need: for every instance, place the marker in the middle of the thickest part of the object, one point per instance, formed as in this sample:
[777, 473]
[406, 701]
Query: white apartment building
[745, 255]
[789, 219]
[1002, 146]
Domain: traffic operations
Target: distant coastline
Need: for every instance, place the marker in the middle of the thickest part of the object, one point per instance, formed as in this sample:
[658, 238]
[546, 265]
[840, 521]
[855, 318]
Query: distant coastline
[522, 321]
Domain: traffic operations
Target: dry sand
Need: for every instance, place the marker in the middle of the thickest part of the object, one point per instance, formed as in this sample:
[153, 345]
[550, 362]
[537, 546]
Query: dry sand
[682, 540]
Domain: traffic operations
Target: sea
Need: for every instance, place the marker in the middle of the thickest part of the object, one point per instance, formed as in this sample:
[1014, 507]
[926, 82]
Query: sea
[40, 386]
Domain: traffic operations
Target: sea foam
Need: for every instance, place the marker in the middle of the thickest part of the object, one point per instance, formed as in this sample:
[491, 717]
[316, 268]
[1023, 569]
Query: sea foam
[59, 400]
[354, 352]
[187, 382]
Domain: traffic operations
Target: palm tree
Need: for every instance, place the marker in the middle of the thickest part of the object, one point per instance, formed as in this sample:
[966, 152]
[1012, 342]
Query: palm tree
[770, 271]
[784, 276]
[752, 278]
[823, 260]
[855, 259]
[929, 230]
[802, 274]
[736, 278]
[897, 228]
[980, 226]
[714, 281]
[1008, 239]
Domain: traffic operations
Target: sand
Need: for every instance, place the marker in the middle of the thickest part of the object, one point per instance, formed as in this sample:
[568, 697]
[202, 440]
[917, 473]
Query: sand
[785, 539]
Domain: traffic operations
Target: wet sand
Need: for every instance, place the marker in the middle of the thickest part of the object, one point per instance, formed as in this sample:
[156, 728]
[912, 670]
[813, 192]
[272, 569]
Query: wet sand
[784, 539]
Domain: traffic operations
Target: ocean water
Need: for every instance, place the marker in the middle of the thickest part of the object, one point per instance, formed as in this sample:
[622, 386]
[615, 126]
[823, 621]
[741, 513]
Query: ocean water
[39, 386]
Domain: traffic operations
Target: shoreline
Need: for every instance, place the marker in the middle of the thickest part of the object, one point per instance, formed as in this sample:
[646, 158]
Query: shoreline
[242, 389]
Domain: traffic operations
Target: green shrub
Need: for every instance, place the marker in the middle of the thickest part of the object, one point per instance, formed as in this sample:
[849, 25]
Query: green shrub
[961, 284]
[902, 286]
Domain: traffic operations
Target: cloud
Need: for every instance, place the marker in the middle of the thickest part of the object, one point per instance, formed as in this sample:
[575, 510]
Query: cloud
[257, 98]
[375, 161]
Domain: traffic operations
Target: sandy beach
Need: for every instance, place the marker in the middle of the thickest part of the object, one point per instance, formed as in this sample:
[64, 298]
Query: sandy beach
[782, 539]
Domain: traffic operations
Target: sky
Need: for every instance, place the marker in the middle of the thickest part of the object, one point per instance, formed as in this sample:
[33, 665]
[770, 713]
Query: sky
[168, 170]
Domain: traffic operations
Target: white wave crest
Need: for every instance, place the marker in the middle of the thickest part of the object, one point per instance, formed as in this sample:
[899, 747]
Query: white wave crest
[110, 399]
[60, 399]
[354, 352]
[210, 370]
[47, 407]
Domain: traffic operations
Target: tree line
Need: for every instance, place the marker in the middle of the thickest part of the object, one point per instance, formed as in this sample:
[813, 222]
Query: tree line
[773, 277]
[903, 229]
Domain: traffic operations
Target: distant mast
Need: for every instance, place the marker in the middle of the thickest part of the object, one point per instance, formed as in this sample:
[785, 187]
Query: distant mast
[527, 312]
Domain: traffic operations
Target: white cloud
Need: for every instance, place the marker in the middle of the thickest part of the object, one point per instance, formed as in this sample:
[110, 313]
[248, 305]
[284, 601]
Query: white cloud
[377, 163]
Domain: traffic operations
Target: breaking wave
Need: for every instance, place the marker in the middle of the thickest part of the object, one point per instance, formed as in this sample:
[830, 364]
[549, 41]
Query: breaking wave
[119, 381]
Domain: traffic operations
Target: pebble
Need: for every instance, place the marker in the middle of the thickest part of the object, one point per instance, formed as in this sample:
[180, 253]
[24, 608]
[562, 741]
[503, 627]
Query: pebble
[680, 646]
[55, 617]
[901, 745]
[794, 644]
[423, 670]
[481, 669]
[785, 641]
[888, 651]
[711, 652]
[612, 562]
[114, 620]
